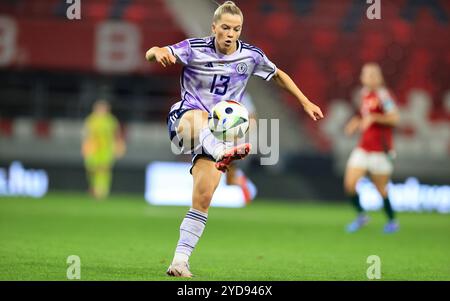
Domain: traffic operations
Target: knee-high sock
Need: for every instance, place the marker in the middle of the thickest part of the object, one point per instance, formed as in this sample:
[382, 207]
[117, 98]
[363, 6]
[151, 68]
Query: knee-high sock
[356, 203]
[388, 209]
[191, 230]
[102, 182]
[211, 144]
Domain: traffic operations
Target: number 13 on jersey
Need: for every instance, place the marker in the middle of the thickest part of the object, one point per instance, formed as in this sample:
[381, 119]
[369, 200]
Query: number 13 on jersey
[220, 86]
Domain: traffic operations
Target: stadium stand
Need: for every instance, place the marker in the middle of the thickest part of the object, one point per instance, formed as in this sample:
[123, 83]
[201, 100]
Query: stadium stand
[309, 39]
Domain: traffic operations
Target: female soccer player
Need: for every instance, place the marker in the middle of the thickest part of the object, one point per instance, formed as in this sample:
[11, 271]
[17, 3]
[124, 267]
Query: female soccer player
[215, 68]
[374, 154]
[102, 144]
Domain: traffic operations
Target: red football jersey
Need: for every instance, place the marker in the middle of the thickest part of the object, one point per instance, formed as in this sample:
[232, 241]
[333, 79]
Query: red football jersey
[377, 137]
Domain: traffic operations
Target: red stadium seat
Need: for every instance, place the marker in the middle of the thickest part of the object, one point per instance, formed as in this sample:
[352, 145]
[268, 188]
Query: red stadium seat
[42, 128]
[6, 127]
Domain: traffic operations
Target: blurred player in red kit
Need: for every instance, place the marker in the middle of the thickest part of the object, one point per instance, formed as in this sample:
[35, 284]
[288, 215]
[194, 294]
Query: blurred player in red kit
[374, 153]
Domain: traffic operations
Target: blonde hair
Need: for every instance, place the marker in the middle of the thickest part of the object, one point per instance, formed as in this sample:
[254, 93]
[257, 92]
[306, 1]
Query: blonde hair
[228, 7]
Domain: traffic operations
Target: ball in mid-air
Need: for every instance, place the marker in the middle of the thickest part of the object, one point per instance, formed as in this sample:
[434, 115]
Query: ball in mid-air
[228, 120]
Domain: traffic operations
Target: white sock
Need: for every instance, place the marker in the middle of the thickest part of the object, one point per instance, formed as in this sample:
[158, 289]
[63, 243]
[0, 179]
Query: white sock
[191, 230]
[180, 257]
[211, 144]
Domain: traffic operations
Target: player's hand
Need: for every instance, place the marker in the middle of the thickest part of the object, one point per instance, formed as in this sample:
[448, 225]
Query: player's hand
[366, 122]
[120, 149]
[164, 57]
[352, 126]
[88, 148]
[313, 111]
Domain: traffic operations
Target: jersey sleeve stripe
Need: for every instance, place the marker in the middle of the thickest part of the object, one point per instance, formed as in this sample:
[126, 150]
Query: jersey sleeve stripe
[202, 45]
[255, 50]
[199, 43]
[171, 50]
[210, 45]
[269, 75]
[196, 40]
[253, 47]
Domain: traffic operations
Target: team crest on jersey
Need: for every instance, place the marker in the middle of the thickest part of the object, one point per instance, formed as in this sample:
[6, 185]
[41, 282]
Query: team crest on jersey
[241, 68]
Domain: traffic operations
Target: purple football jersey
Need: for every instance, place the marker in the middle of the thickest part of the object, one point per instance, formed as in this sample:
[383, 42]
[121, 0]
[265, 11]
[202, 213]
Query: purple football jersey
[209, 76]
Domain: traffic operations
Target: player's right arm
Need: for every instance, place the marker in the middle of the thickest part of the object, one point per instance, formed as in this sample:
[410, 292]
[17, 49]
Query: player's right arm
[120, 146]
[353, 125]
[86, 144]
[160, 55]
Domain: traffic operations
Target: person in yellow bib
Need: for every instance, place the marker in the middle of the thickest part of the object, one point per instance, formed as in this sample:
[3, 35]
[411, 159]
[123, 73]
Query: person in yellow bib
[102, 144]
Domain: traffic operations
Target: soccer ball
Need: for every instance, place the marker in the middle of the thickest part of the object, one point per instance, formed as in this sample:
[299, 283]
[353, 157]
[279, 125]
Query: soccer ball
[228, 120]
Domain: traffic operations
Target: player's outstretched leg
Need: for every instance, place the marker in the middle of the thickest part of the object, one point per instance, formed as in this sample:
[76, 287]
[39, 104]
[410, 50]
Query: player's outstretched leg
[221, 151]
[206, 179]
[195, 124]
[232, 154]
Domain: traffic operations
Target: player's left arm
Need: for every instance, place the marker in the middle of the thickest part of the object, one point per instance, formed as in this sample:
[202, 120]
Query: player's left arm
[284, 81]
[389, 117]
[85, 139]
[120, 146]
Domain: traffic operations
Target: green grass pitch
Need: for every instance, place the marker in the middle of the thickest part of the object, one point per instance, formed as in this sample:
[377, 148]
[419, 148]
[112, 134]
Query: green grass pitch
[124, 238]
